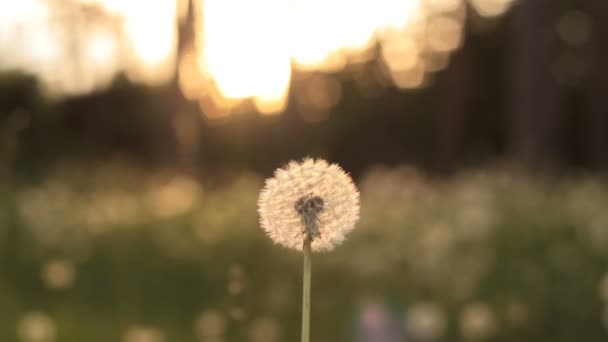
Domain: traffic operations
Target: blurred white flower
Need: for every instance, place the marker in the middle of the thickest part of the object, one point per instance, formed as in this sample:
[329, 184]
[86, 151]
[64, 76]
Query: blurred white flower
[264, 329]
[603, 288]
[311, 199]
[605, 317]
[477, 322]
[426, 321]
[58, 273]
[516, 312]
[139, 333]
[210, 324]
[36, 327]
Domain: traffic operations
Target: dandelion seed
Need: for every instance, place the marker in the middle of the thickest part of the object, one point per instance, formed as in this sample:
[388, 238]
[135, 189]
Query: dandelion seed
[308, 206]
[312, 200]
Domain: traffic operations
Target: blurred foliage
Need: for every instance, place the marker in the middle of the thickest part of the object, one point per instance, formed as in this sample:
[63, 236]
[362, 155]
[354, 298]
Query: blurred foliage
[113, 252]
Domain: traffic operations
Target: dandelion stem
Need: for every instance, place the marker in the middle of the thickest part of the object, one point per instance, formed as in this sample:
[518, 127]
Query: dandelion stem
[306, 291]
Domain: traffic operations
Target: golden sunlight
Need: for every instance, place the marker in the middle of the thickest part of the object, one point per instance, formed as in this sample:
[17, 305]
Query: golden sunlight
[245, 51]
[242, 49]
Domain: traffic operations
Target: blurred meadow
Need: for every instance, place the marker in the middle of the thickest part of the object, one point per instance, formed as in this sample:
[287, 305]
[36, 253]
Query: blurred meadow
[135, 138]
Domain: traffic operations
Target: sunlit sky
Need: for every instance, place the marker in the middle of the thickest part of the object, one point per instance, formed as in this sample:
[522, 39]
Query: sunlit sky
[242, 49]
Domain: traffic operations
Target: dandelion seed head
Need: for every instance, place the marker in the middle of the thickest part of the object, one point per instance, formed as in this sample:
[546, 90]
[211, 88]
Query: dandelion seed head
[309, 199]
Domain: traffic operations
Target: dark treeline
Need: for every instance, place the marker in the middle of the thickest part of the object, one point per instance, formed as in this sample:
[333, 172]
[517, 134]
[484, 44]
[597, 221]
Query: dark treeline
[516, 90]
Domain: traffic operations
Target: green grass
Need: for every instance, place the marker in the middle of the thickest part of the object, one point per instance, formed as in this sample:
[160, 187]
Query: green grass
[156, 253]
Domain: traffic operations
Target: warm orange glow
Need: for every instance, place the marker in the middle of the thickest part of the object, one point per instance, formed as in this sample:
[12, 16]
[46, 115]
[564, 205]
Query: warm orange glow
[101, 51]
[192, 81]
[25, 40]
[444, 34]
[491, 8]
[242, 49]
[400, 53]
[152, 33]
[101, 48]
[245, 51]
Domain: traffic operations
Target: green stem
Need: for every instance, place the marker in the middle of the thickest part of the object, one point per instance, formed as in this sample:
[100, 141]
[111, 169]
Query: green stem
[306, 291]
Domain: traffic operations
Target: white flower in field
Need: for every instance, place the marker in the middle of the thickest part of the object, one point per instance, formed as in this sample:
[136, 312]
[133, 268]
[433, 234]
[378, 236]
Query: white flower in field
[426, 321]
[310, 199]
[477, 322]
[58, 273]
[36, 327]
[139, 333]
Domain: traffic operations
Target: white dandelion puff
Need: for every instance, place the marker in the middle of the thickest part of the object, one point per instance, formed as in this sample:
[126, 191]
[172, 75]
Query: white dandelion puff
[312, 200]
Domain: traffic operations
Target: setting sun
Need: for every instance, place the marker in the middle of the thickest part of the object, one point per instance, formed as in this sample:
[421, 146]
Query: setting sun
[241, 49]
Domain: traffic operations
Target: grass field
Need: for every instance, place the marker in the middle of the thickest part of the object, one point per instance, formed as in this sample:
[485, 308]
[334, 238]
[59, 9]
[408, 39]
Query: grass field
[116, 253]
